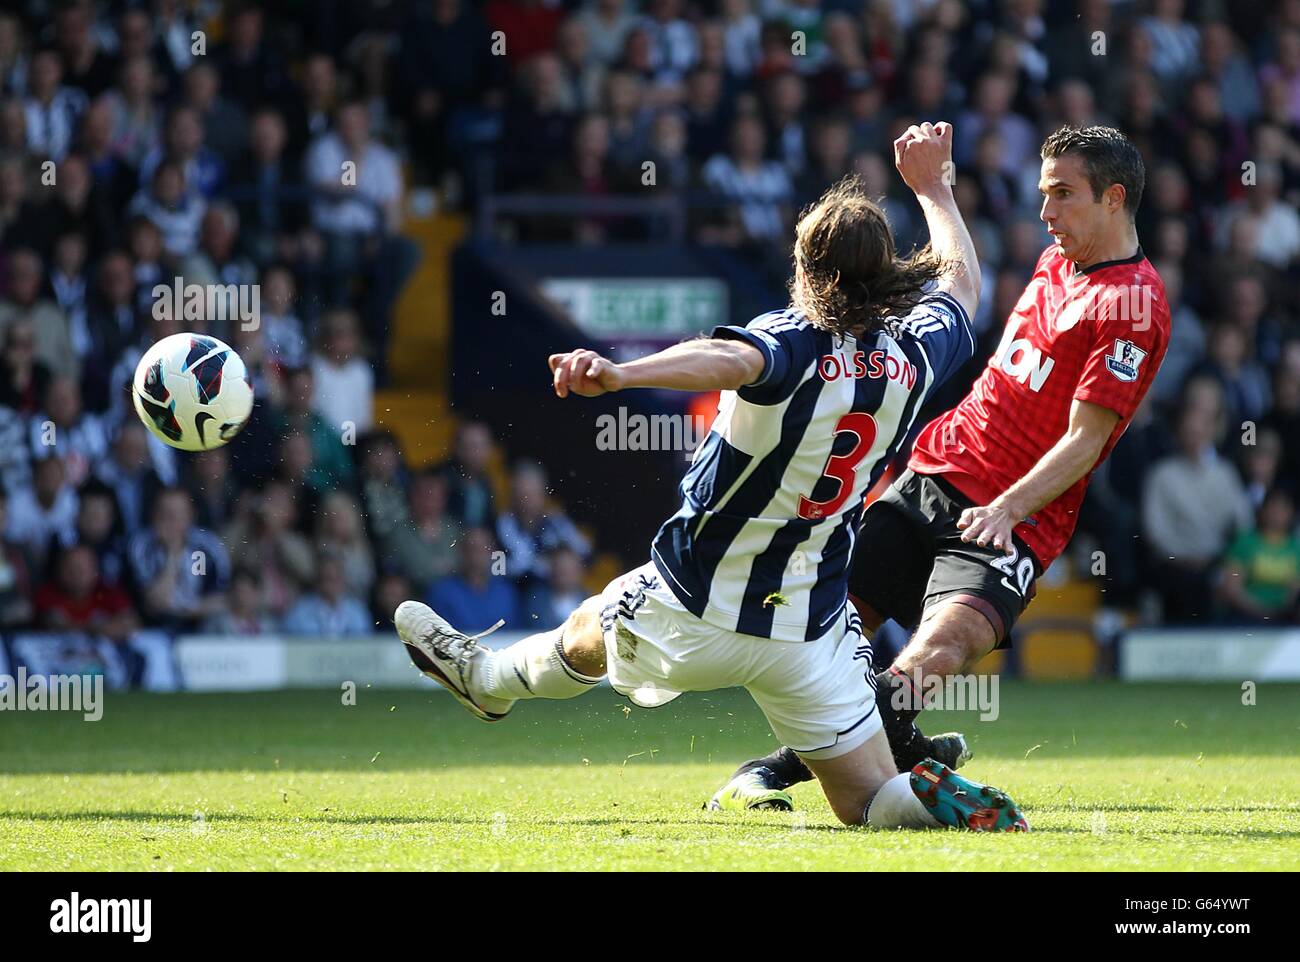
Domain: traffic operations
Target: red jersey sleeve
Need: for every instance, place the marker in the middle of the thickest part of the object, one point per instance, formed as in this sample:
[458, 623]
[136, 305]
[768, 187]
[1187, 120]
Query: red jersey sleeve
[1128, 344]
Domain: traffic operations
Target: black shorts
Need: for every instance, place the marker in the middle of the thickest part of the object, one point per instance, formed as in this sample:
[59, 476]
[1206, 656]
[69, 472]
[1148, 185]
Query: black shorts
[910, 557]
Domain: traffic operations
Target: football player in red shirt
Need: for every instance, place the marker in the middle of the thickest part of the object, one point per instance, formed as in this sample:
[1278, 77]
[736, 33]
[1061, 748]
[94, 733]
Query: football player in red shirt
[993, 487]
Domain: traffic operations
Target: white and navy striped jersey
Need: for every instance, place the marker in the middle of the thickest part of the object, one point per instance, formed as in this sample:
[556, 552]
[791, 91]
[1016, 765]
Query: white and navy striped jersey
[771, 503]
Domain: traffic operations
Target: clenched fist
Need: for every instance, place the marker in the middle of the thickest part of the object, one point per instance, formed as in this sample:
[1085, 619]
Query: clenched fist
[584, 373]
[923, 156]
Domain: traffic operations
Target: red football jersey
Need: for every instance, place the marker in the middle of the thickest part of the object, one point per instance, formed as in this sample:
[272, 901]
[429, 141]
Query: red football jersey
[1097, 335]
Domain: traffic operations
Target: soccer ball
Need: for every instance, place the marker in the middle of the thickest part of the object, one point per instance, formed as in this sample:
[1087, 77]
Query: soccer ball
[192, 391]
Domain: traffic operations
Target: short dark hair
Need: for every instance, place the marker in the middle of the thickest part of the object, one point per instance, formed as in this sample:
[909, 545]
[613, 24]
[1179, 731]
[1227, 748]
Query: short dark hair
[1108, 158]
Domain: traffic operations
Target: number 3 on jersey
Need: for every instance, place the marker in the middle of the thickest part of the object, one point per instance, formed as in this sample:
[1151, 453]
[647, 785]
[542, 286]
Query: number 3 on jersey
[842, 467]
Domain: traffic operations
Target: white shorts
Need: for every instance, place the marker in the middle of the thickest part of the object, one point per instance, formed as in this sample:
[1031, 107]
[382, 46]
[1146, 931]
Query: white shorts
[818, 696]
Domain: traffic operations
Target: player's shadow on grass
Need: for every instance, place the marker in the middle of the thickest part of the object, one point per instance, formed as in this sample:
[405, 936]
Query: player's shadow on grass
[214, 820]
[721, 825]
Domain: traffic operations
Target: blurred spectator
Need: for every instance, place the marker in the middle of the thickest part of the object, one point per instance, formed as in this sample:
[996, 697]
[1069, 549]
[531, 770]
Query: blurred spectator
[383, 487]
[15, 581]
[1283, 74]
[757, 189]
[79, 600]
[171, 206]
[99, 529]
[268, 191]
[1284, 418]
[479, 592]
[44, 512]
[19, 214]
[454, 81]
[391, 590]
[77, 205]
[583, 73]
[1192, 504]
[286, 343]
[111, 325]
[607, 23]
[529, 531]
[1261, 577]
[312, 116]
[244, 615]
[13, 58]
[785, 98]
[1244, 382]
[1261, 462]
[51, 107]
[183, 145]
[424, 547]
[830, 158]
[344, 383]
[252, 70]
[182, 570]
[130, 474]
[134, 111]
[1277, 225]
[15, 461]
[469, 497]
[65, 431]
[548, 604]
[673, 44]
[538, 123]
[331, 611]
[341, 531]
[331, 463]
[23, 302]
[1174, 41]
[269, 545]
[992, 111]
[216, 262]
[67, 282]
[358, 187]
[26, 377]
[213, 488]
[224, 126]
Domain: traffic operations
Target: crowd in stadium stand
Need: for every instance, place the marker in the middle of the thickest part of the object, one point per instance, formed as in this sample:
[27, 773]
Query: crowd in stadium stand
[222, 168]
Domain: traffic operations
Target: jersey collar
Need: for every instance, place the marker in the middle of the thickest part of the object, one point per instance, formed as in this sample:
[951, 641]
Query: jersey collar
[1102, 265]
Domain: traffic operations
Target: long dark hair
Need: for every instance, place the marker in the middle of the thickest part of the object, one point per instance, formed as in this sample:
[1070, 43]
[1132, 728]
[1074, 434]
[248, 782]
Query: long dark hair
[853, 281]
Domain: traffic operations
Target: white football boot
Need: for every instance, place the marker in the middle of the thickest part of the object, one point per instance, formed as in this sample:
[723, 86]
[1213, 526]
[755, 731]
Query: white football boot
[448, 656]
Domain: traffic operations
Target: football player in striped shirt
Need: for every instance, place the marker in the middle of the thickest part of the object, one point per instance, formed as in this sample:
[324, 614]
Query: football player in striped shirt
[746, 585]
[993, 487]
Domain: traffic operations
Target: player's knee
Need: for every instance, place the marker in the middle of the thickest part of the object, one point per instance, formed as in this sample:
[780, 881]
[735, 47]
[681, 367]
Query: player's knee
[953, 638]
[584, 640]
[850, 804]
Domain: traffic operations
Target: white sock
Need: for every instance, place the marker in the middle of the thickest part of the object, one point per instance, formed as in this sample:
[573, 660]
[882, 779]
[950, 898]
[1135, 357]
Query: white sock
[532, 668]
[896, 806]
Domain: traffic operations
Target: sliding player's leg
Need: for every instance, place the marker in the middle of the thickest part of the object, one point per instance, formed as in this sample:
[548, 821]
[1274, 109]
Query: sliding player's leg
[863, 789]
[851, 781]
[562, 663]
[819, 697]
[892, 566]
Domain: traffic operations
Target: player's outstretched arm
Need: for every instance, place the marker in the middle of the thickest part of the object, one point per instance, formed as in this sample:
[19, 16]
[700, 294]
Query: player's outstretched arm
[706, 364]
[923, 156]
[1068, 460]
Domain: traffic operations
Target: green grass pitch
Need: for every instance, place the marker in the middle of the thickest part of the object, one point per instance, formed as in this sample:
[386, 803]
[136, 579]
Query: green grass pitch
[1111, 776]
